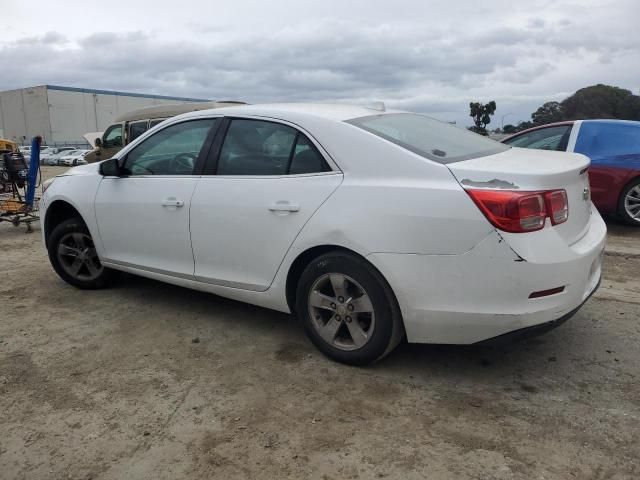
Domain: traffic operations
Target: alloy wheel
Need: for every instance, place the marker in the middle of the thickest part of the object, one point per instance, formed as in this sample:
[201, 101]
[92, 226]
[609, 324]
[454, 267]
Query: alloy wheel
[78, 257]
[341, 311]
[632, 203]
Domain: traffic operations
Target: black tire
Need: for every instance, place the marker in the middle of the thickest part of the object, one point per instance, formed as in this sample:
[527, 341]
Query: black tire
[388, 328]
[622, 208]
[91, 274]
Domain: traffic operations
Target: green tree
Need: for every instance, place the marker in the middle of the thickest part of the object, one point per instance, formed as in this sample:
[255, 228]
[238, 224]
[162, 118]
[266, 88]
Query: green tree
[548, 113]
[508, 128]
[481, 114]
[524, 126]
[601, 101]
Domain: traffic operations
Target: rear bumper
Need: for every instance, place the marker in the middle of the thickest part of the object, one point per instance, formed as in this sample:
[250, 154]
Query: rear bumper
[484, 293]
[534, 330]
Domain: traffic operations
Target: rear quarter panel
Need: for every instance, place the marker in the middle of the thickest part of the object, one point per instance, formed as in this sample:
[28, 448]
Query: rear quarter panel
[608, 176]
[391, 200]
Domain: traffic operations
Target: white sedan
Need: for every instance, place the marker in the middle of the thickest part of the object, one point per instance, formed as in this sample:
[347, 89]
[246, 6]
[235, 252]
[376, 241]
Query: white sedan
[369, 225]
[73, 158]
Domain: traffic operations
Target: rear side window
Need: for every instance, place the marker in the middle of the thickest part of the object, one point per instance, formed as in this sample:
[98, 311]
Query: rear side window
[155, 122]
[429, 138]
[136, 129]
[608, 139]
[306, 158]
[550, 138]
[256, 147]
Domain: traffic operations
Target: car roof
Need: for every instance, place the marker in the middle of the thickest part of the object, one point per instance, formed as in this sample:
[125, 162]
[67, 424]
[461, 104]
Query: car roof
[539, 127]
[613, 121]
[171, 110]
[329, 111]
[571, 122]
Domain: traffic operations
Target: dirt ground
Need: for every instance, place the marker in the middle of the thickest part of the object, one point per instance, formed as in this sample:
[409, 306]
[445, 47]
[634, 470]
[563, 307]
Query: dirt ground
[152, 381]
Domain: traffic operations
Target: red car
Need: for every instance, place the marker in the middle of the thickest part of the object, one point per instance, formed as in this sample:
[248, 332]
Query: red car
[614, 149]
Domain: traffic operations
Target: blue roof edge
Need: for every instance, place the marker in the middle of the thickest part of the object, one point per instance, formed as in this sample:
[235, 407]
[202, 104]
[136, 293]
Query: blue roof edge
[124, 94]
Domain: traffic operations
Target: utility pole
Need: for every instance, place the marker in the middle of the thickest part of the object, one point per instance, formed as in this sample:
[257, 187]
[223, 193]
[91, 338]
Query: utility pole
[503, 117]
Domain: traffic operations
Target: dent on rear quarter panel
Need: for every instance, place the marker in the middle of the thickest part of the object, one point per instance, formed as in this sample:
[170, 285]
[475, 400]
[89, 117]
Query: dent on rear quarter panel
[429, 286]
[495, 183]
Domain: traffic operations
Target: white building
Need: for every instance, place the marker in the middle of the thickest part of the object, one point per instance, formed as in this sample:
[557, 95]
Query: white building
[61, 115]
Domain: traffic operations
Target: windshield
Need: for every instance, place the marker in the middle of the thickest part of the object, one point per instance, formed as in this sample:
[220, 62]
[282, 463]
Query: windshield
[429, 138]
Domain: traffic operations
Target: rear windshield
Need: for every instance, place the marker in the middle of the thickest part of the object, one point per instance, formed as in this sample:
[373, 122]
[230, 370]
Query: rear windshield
[429, 138]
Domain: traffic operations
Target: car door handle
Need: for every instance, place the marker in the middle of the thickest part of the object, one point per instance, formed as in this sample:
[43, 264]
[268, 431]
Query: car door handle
[172, 202]
[284, 207]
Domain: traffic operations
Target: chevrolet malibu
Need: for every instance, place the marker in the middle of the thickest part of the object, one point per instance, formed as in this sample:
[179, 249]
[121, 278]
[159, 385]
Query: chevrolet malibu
[368, 224]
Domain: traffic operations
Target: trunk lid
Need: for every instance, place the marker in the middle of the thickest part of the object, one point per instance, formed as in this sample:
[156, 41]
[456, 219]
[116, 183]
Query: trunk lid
[520, 169]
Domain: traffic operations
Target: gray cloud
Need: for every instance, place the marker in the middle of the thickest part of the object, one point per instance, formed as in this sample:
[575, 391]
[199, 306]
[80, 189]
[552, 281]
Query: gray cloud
[413, 63]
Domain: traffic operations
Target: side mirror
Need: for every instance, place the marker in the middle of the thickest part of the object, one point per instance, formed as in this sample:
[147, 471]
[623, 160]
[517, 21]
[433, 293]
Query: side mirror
[98, 142]
[110, 168]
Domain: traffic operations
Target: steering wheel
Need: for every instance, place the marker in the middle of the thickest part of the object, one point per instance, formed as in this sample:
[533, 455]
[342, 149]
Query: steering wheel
[183, 163]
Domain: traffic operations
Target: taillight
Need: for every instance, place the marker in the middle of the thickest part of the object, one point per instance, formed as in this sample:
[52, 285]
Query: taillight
[516, 212]
[558, 206]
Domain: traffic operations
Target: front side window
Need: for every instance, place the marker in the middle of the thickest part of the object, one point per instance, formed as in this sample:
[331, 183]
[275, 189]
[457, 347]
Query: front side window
[549, 138]
[256, 147]
[171, 151]
[113, 136]
[136, 129]
[438, 141]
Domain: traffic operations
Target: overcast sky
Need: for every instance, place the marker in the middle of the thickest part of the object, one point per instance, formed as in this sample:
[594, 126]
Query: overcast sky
[427, 56]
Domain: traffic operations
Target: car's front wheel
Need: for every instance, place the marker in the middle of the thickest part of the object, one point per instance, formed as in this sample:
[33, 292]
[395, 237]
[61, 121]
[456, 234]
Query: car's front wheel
[348, 310]
[629, 204]
[73, 256]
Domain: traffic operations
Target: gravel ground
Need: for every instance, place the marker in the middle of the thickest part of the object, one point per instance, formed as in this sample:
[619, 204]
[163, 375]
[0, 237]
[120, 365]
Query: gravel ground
[147, 380]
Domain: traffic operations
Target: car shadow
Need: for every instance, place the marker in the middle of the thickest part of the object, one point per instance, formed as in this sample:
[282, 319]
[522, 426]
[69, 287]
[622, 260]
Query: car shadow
[618, 227]
[529, 357]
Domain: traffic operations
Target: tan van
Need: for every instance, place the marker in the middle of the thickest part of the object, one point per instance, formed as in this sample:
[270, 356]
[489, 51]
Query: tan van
[130, 126]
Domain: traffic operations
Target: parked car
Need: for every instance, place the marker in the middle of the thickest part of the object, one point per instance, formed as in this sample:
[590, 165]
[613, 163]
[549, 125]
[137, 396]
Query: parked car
[45, 152]
[52, 155]
[54, 158]
[131, 125]
[72, 157]
[25, 150]
[365, 223]
[614, 149]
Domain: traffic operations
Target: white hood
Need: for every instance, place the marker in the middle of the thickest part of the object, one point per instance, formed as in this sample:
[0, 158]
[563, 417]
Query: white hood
[91, 137]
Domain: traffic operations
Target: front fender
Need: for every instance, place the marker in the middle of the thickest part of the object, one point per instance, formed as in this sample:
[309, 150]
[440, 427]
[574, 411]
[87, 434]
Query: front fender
[79, 191]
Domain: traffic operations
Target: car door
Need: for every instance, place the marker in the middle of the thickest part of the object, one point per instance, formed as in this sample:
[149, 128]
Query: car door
[143, 215]
[112, 141]
[614, 150]
[264, 181]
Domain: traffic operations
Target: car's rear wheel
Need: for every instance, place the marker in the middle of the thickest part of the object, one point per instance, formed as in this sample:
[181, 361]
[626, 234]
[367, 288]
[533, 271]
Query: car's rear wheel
[73, 256]
[629, 203]
[348, 310]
